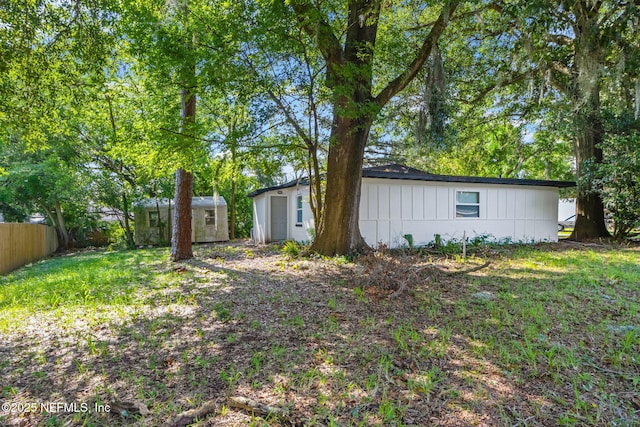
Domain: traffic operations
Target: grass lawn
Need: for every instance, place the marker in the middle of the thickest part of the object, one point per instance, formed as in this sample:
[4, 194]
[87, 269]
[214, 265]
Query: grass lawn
[543, 335]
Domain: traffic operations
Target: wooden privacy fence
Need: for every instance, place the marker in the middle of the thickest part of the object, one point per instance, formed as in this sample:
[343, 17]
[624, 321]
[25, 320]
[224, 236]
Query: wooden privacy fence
[21, 244]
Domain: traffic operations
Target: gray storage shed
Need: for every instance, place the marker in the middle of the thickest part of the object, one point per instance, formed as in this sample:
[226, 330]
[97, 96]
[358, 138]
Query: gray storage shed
[154, 220]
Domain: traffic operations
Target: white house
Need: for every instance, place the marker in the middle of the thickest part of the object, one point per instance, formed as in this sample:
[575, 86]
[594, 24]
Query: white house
[566, 209]
[153, 220]
[397, 200]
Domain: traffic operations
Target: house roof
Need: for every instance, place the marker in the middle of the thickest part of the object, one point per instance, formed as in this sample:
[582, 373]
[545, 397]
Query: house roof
[196, 202]
[397, 171]
[295, 182]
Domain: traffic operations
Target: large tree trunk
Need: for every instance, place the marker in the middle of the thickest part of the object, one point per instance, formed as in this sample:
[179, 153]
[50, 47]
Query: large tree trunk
[63, 237]
[62, 227]
[590, 222]
[232, 198]
[131, 244]
[587, 121]
[339, 230]
[181, 239]
[350, 78]
[353, 112]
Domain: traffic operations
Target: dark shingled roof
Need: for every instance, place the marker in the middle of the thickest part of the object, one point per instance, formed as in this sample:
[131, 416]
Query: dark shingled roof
[301, 181]
[396, 171]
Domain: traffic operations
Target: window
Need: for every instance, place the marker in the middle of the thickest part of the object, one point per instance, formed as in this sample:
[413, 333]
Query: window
[209, 217]
[153, 219]
[467, 204]
[299, 210]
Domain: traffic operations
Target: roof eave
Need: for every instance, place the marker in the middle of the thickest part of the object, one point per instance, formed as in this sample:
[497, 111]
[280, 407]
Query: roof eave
[293, 183]
[413, 176]
[468, 179]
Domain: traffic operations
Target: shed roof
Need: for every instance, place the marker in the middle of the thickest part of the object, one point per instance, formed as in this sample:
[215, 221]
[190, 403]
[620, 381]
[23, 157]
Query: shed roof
[196, 202]
[397, 171]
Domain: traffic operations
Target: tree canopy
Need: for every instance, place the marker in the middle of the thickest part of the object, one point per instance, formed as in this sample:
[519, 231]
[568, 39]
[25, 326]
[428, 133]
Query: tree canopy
[102, 95]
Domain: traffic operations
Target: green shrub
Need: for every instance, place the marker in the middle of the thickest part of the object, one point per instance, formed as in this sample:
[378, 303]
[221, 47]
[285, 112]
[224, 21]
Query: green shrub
[291, 248]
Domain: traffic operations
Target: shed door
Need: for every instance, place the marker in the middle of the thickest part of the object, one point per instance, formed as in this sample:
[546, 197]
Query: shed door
[278, 218]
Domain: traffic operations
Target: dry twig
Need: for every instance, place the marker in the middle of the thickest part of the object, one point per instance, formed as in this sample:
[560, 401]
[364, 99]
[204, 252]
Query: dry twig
[257, 408]
[189, 417]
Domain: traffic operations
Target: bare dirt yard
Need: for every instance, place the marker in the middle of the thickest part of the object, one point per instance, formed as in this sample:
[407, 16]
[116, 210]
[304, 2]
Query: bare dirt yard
[248, 335]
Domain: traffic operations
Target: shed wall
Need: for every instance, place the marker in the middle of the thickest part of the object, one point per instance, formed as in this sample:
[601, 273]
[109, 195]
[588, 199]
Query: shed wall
[146, 235]
[200, 232]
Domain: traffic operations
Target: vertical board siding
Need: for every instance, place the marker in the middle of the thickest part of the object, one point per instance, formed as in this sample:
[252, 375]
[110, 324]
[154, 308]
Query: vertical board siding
[384, 203]
[382, 235]
[532, 206]
[510, 211]
[502, 204]
[418, 202]
[395, 203]
[520, 205]
[21, 244]
[390, 209]
[442, 203]
[493, 205]
[364, 202]
[407, 202]
[429, 203]
[373, 201]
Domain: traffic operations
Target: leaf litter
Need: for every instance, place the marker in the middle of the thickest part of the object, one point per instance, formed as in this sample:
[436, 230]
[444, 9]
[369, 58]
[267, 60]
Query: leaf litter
[393, 338]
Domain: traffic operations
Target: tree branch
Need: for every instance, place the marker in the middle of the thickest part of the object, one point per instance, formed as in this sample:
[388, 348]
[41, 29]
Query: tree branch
[561, 68]
[497, 84]
[491, 6]
[319, 30]
[401, 81]
[559, 39]
[559, 85]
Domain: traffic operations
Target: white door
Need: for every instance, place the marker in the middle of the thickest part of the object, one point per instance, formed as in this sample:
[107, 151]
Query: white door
[278, 218]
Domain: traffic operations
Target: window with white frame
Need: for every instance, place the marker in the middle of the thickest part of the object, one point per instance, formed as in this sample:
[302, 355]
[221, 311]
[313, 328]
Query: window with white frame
[209, 217]
[154, 219]
[467, 204]
[299, 210]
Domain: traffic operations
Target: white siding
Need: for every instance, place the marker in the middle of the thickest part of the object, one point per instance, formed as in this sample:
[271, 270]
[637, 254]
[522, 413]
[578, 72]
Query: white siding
[566, 208]
[430, 197]
[442, 202]
[260, 218]
[407, 202]
[387, 203]
[417, 194]
[300, 232]
[262, 209]
[389, 209]
[424, 209]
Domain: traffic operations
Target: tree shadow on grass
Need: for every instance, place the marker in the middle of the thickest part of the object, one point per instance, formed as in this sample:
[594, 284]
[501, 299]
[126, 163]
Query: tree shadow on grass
[298, 334]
